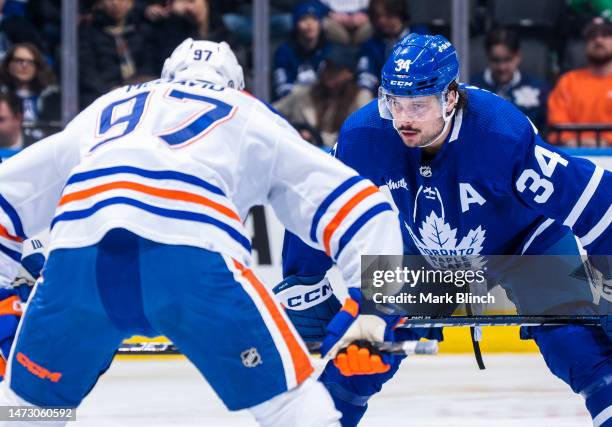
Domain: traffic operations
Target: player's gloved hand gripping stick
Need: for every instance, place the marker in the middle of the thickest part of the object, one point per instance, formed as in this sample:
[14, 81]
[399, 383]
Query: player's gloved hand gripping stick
[350, 336]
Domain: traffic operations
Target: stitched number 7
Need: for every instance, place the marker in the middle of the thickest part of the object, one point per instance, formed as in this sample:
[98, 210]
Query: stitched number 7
[215, 113]
[132, 109]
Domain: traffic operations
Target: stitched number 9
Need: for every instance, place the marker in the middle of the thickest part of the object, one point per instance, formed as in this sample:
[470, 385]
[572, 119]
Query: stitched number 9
[125, 113]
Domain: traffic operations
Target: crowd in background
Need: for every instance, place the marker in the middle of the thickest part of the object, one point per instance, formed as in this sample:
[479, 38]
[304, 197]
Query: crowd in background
[551, 58]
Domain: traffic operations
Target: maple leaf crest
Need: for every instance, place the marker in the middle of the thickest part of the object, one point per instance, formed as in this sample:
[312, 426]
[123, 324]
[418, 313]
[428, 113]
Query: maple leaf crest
[438, 238]
[435, 233]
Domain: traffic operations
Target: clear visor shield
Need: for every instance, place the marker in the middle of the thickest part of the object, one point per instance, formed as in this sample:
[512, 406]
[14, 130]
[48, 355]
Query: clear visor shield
[411, 108]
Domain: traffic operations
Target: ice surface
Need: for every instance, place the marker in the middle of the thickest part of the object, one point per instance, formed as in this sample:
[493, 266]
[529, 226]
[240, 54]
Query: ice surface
[428, 391]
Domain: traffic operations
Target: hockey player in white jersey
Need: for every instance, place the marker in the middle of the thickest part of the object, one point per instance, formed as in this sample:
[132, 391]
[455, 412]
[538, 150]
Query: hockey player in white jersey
[145, 193]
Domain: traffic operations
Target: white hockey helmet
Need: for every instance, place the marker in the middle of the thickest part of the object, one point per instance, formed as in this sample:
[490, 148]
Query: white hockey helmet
[204, 60]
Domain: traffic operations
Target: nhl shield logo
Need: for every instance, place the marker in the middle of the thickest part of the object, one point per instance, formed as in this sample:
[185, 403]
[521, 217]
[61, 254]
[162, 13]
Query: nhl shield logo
[425, 171]
[250, 357]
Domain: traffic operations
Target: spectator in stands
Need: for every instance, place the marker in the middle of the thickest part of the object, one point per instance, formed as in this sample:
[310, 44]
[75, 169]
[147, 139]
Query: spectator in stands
[180, 19]
[296, 62]
[391, 22]
[113, 50]
[503, 76]
[326, 104]
[584, 96]
[16, 29]
[11, 120]
[25, 73]
[347, 22]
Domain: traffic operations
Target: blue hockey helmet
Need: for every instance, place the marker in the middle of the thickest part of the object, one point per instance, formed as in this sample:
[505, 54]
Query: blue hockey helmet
[420, 65]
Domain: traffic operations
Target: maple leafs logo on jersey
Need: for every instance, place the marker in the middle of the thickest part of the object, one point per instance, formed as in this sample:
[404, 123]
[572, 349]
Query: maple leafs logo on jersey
[437, 241]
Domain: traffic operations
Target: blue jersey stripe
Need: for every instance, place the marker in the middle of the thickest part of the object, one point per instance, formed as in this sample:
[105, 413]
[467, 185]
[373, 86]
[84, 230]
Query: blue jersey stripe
[177, 176]
[328, 201]
[170, 213]
[14, 255]
[360, 222]
[13, 216]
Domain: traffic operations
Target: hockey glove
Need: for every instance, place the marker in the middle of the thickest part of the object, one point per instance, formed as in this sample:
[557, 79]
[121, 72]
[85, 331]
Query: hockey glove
[11, 309]
[13, 299]
[310, 303]
[349, 335]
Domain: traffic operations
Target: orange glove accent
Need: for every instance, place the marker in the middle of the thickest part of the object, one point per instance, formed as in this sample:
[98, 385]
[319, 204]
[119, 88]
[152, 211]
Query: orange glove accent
[359, 361]
[11, 306]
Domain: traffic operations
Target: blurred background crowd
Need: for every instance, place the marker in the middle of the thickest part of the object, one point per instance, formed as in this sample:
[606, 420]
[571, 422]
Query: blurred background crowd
[551, 58]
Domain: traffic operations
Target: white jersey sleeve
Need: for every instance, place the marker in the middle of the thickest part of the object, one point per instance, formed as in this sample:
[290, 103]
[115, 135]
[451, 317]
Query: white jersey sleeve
[31, 183]
[329, 206]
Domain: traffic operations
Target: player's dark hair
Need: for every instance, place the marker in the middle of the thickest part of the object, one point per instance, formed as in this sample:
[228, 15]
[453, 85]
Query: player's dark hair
[462, 99]
[13, 101]
[504, 36]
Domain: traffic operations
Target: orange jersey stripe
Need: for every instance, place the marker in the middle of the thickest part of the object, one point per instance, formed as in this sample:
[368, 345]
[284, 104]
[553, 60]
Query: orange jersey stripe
[301, 362]
[159, 192]
[4, 233]
[342, 213]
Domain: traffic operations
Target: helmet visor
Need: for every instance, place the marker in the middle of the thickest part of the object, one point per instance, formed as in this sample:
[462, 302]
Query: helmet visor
[410, 108]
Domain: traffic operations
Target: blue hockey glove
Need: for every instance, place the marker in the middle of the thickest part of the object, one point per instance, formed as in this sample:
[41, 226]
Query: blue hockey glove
[349, 335]
[310, 303]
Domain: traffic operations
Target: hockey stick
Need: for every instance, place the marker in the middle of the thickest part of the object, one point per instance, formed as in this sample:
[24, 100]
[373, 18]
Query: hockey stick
[507, 320]
[400, 348]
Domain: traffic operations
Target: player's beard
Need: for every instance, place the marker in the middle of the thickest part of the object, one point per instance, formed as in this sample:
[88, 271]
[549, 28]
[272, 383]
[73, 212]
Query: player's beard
[423, 137]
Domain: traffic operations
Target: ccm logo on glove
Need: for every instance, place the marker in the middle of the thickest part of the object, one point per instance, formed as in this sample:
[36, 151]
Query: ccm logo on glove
[302, 297]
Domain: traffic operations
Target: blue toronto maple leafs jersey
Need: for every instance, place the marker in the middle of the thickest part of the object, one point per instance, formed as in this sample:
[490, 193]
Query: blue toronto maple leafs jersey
[494, 188]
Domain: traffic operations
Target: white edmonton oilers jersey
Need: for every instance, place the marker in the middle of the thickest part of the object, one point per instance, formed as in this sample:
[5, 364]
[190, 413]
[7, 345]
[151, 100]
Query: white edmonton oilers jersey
[182, 162]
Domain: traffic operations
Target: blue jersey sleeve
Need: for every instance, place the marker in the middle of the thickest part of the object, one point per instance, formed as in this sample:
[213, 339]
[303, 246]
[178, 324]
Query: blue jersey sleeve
[299, 259]
[566, 189]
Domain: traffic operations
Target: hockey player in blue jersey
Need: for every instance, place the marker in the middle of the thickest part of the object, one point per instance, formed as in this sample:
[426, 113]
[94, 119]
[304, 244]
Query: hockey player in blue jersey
[466, 160]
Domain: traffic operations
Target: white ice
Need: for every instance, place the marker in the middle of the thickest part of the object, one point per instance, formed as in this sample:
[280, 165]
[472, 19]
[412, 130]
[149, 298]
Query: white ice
[428, 391]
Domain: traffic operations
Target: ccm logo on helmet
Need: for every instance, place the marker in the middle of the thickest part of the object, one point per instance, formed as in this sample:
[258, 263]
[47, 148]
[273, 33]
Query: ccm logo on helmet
[400, 83]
